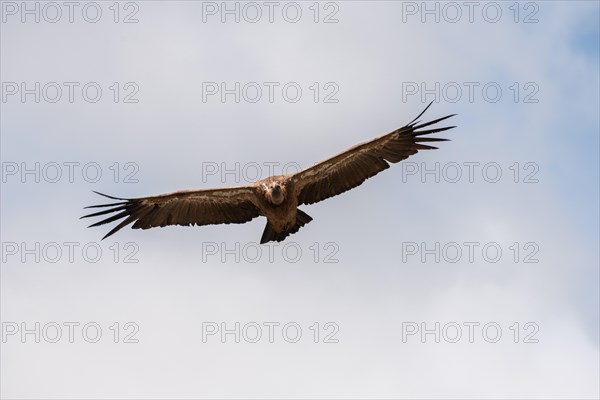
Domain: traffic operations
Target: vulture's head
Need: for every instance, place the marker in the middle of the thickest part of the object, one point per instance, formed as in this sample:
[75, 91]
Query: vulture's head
[275, 193]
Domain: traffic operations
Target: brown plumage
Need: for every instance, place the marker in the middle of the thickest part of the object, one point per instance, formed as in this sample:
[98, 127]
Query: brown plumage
[276, 197]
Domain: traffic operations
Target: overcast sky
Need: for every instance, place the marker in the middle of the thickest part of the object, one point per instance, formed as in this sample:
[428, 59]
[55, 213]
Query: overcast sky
[466, 272]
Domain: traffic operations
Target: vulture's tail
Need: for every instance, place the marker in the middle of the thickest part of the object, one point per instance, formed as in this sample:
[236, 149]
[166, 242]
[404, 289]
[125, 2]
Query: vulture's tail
[270, 234]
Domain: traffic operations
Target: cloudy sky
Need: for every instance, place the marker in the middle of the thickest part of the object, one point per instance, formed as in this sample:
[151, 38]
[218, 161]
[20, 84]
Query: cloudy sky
[466, 272]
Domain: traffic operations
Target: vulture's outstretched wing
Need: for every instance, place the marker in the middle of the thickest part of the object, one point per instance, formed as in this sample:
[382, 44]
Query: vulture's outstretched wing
[352, 167]
[233, 205]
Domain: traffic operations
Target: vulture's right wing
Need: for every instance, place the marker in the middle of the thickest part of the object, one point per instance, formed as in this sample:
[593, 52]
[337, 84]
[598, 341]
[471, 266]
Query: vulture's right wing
[234, 205]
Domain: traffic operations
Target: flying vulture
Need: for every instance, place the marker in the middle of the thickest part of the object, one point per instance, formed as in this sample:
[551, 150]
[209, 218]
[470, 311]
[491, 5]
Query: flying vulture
[276, 197]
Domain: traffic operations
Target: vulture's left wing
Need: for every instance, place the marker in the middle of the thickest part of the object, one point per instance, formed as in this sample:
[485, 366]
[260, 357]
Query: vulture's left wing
[352, 167]
[234, 205]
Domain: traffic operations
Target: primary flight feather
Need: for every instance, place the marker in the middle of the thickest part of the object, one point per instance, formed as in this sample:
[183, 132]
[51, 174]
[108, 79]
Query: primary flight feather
[276, 197]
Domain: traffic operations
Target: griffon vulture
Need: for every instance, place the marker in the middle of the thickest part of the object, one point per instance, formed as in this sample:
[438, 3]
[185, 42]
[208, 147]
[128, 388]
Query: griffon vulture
[276, 197]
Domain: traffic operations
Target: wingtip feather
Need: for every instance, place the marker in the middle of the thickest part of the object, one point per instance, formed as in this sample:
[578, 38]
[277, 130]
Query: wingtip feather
[422, 112]
[110, 197]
